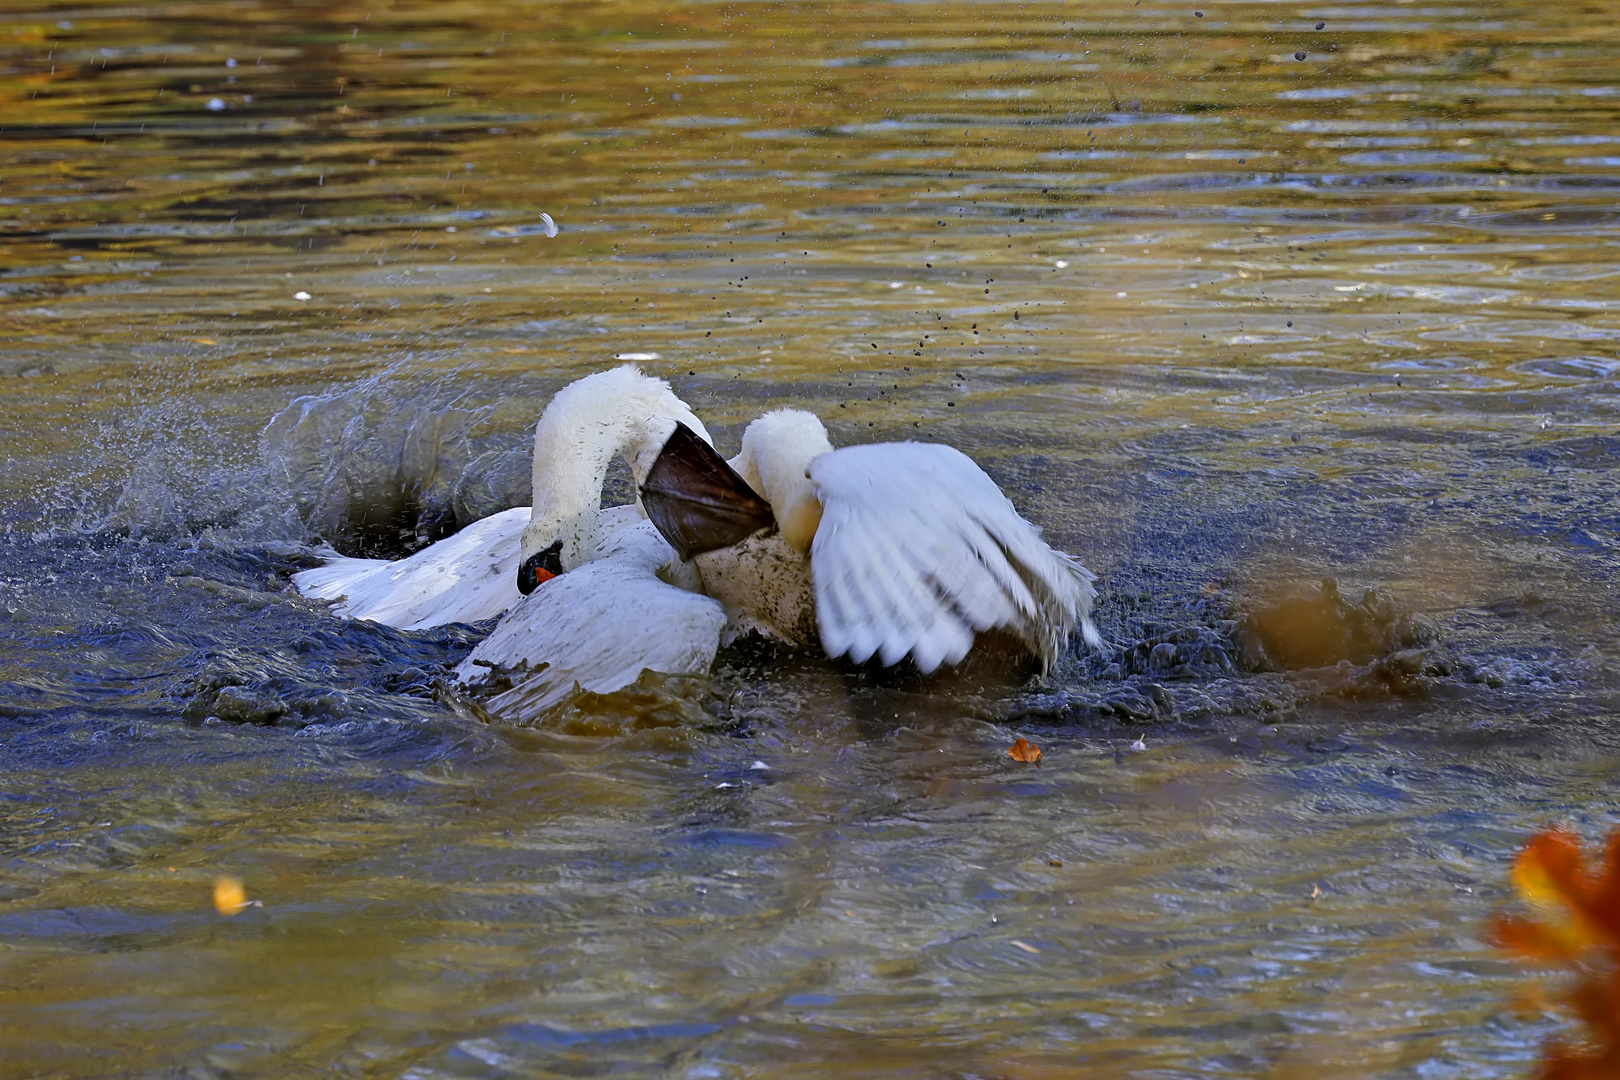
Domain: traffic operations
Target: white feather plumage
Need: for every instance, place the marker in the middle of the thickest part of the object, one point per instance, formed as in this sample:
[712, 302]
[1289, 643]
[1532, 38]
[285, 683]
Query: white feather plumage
[918, 551]
[473, 574]
[462, 578]
[912, 552]
[598, 627]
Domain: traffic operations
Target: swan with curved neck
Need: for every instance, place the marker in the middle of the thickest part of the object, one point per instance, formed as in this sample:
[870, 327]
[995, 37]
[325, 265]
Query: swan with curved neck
[777, 450]
[886, 551]
[619, 413]
[616, 612]
[480, 571]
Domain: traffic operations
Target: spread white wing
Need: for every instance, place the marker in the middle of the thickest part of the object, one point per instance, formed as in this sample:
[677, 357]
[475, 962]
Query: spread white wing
[918, 550]
[599, 626]
[462, 578]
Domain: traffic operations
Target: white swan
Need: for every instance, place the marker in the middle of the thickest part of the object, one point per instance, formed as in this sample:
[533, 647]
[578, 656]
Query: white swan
[605, 597]
[889, 550]
[482, 570]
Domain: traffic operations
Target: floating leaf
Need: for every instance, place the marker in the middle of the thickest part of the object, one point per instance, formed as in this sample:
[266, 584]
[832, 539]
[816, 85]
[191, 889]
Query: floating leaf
[1025, 751]
[229, 896]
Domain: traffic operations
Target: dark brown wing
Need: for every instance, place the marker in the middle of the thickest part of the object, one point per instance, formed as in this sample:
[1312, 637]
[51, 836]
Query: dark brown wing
[698, 502]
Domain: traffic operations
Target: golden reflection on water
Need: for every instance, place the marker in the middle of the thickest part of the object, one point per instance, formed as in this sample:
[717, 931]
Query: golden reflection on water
[391, 933]
[1420, 206]
[1070, 238]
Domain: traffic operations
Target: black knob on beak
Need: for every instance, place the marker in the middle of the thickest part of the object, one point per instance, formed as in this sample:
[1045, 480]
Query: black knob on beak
[539, 567]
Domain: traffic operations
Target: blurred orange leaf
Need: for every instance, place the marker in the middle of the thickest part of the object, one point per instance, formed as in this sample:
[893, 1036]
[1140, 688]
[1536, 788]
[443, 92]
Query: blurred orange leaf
[1547, 871]
[229, 896]
[1579, 927]
[1549, 874]
[1025, 751]
[1532, 939]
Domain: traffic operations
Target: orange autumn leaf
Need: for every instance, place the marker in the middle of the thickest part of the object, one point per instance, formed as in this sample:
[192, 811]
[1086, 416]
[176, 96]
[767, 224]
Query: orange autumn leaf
[1548, 870]
[1025, 751]
[229, 896]
[1533, 940]
[1603, 906]
[1563, 1066]
[1549, 874]
[1578, 926]
[1597, 1002]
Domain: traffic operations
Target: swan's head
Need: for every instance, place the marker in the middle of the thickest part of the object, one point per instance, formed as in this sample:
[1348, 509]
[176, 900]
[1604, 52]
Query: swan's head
[619, 413]
[777, 450]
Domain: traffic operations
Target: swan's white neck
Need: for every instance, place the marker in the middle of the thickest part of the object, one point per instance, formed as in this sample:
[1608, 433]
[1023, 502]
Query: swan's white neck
[616, 413]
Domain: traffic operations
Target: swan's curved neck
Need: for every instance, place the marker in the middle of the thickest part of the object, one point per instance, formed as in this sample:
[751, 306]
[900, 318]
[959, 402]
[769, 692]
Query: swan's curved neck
[617, 413]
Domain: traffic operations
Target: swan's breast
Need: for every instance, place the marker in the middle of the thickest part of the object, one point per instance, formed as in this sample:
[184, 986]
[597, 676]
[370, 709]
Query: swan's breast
[764, 585]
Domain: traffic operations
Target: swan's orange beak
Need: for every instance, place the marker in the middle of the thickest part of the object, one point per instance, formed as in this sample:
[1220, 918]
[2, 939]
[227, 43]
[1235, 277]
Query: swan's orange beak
[540, 568]
[532, 577]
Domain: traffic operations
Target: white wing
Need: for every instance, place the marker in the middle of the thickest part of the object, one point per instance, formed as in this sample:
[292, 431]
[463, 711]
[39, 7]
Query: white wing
[918, 550]
[600, 626]
[462, 578]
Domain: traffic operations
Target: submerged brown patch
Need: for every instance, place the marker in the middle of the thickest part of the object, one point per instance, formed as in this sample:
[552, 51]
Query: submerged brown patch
[1318, 627]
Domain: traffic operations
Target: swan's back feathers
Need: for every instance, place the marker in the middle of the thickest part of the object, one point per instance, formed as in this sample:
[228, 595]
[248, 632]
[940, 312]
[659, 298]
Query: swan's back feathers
[599, 627]
[333, 579]
[462, 578]
[918, 551]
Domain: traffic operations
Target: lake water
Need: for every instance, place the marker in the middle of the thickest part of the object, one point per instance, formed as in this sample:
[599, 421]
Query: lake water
[1230, 299]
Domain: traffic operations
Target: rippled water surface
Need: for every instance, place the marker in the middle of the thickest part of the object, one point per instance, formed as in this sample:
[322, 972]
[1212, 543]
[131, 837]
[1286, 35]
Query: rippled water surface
[1230, 299]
